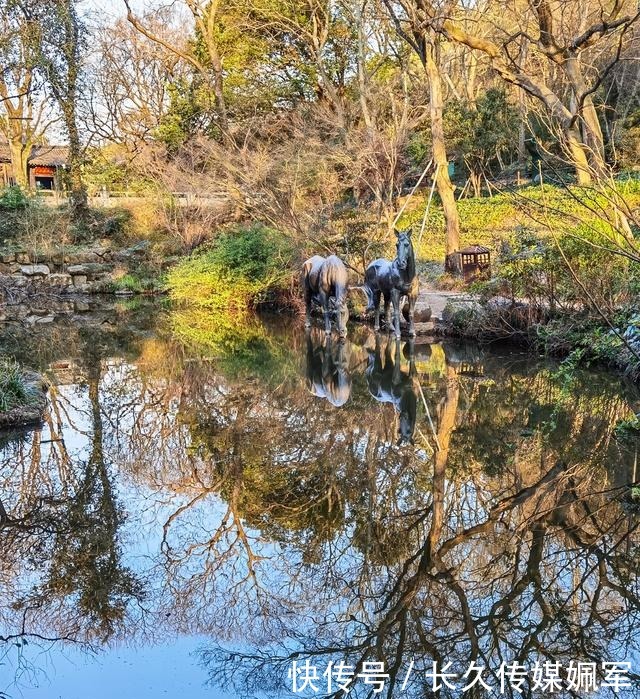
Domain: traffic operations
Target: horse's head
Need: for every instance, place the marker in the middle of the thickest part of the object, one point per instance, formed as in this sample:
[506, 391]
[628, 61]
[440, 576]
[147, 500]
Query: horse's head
[342, 316]
[404, 248]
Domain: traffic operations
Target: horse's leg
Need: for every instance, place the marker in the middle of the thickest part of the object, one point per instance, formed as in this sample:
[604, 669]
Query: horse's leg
[395, 300]
[307, 301]
[412, 310]
[376, 306]
[388, 357]
[324, 300]
[387, 309]
[412, 358]
[397, 364]
[377, 364]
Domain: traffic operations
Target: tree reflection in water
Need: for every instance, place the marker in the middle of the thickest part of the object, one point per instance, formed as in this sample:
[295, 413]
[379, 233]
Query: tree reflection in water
[290, 528]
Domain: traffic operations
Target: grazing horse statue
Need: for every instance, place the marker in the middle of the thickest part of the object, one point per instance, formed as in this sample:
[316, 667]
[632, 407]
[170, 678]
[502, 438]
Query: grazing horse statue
[328, 374]
[325, 281]
[389, 384]
[393, 280]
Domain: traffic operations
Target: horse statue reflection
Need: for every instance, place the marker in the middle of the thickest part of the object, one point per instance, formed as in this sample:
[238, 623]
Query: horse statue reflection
[325, 283]
[393, 280]
[389, 384]
[328, 374]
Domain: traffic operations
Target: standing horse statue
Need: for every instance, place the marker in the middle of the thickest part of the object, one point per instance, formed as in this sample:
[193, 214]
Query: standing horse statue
[326, 282]
[393, 280]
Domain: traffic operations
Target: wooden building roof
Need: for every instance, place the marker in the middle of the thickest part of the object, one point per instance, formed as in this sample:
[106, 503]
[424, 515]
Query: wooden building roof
[47, 156]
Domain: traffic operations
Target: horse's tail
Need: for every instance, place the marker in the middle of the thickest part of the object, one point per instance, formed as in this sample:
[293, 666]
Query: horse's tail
[366, 290]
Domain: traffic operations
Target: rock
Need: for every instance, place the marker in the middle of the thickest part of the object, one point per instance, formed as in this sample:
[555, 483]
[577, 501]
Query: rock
[92, 256]
[89, 269]
[8, 257]
[35, 270]
[136, 252]
[424, 328]
[60, 279]
[79, 280]
[23, 258]
[18, 280]
[421, 313]
[81, 306]
[124, 292]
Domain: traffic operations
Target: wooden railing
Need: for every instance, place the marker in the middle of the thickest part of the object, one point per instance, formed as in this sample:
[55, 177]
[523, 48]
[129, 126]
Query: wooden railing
[118, 198]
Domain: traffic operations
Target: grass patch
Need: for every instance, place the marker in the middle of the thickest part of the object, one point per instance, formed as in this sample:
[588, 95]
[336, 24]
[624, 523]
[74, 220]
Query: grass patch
[138, 282]
[528, 210]
[16, 390]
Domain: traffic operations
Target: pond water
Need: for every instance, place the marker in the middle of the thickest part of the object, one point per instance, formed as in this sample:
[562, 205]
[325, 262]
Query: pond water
[227, 509]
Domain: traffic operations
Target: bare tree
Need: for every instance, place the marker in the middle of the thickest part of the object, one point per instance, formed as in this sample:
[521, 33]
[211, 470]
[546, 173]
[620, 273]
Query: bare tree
[205, 15]
[26, 112]
[410, 18]
[127, 95]
[569, 36]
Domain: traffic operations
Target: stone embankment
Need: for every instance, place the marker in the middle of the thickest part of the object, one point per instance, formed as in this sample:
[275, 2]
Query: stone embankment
[67, 272]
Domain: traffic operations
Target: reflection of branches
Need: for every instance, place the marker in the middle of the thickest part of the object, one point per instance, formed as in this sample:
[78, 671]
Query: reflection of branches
[534, 572]
[306, 531]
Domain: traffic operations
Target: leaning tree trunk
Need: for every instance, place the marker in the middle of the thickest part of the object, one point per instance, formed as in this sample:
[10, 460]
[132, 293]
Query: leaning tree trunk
[443, 182]
[577, 154]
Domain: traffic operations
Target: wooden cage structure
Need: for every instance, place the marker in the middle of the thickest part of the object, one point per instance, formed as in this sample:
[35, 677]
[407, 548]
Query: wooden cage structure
[475, 262]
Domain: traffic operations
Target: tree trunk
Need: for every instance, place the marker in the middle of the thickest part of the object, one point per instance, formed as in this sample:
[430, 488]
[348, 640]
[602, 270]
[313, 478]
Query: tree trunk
[363, 82]
[577, 154]
[19, 156]
[75, 183]
[446, 425]
[443, 182]
[593, 141]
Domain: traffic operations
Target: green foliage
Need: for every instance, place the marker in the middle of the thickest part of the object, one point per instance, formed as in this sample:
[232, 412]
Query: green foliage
[111, 168]
[190, 112]
[522, 213]
[139, 282]
[481, 135]
[15, 389]
[628, 430]
[13, 198]
[243, 349]
[241, 269]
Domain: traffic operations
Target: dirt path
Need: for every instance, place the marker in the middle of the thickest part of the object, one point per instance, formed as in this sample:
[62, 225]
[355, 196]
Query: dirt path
[439, 299]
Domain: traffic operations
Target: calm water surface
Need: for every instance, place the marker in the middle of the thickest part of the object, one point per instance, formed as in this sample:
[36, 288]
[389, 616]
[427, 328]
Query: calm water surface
[207, 502]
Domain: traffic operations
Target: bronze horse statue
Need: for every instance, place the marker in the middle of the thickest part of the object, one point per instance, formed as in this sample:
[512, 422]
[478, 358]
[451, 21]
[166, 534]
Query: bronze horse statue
[393, 280]
[325, 283]
[389, 384]
[328, 373]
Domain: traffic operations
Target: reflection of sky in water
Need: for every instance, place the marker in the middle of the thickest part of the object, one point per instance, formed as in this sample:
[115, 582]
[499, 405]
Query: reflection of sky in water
[134, 668]
[304, 580]
[140, 672]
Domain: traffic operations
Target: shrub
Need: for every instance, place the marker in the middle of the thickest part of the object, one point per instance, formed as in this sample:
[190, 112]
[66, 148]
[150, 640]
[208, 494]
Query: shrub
[244, 267]
[12, 198]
